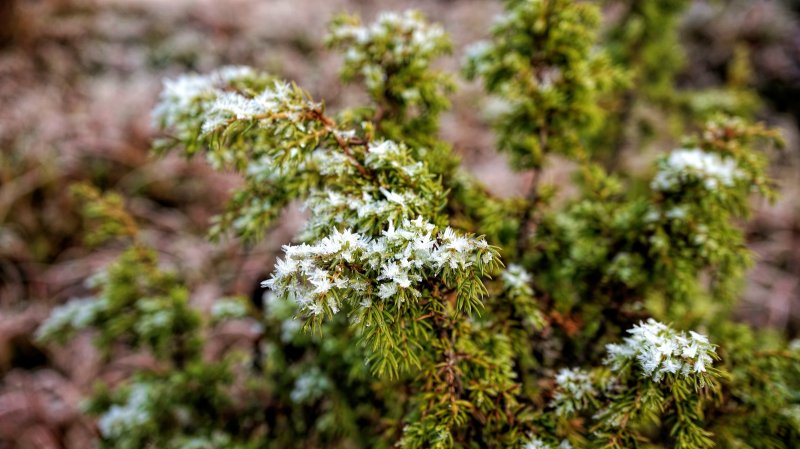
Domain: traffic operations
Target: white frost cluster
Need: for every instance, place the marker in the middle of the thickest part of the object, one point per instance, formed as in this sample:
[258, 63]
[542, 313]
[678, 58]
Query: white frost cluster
[574, 389]
[278, 99]
[155, 317]
[660, 350]
[228, 309]
[74, 315]
[695, 164]
[477, 52]
[310, 385]
[387, 154]
[348, 265]
[337, 205]
[121, 419]
[338, 208]
[536, 443]
[517, 280]
[217, 440]
[394, 38]
[181, 94]
[209, 102]
[410, 34]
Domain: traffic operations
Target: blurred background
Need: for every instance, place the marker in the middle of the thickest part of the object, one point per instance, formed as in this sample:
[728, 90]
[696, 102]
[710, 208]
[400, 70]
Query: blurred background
[79, 77]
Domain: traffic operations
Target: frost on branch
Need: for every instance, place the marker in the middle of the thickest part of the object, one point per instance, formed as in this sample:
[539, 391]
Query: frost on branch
[390, 269]
[537, 443]
[310, 385]
[128, 417]
[574, 391]
[543, 64]
[670, 366]
[517, 280]
[361, 207]
[136, 302]
[65, 319]
[287, 148]
[393, 56]
[185, 100]
[659, 350]
[228, 309]
[687, 165]
[180, 94]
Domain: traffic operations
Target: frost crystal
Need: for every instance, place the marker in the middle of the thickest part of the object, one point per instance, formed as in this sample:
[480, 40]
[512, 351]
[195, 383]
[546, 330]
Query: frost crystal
[478, 51]
[228, 308]
[418, 39]
[316, 275]
[179, 95]
[289, 328]
[121, 419]
[229, 105]
[74, 315]
[536, 443]
[273, 100]
[660, 350]
[155, 318]
[395, 45]
[574, 389]
[310, 385]
[340, 206]
[516, 279]
[683, 165]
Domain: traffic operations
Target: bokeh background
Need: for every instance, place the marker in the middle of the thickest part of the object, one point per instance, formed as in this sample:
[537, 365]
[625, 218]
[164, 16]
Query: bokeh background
[79, 77]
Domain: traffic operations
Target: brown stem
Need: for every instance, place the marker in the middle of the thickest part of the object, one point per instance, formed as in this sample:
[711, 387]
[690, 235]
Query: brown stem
[620, 139]
[532, 198]
[344, 145]
[533, 194]
[9, 21]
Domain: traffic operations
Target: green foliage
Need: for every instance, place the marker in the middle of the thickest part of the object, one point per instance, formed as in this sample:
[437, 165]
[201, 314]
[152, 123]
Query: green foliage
[137, 302]
[106, 215]
[416, 310]
[541, 62]
[645, 39]
[393, 58]
[761, 393]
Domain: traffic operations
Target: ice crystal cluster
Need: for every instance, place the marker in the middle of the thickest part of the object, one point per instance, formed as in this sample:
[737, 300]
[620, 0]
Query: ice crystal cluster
[120, 419]
[418, 37]
[228, 308]
[517, 279]
[310, 385]
[574, 389]
[659, 350]
[360, 270]
[74, 315]
[184, 94]
[394, 42]
[685, 165]
[274, 100]
[354, 208]
[536, 443]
